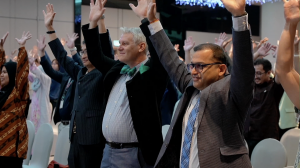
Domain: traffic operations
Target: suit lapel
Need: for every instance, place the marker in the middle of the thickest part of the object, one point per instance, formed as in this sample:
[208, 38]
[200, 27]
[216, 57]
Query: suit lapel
[203, 99]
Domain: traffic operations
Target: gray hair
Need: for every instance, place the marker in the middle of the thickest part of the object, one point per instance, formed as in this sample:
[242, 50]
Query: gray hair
[138, 36]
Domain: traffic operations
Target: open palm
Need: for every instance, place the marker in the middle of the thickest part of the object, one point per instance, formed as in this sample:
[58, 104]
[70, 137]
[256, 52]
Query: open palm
[71, 40]
[141, 9]
[235, 7]
[96, 10]
[25, 37]
[189, 43]
[49, 16]
[41, 43]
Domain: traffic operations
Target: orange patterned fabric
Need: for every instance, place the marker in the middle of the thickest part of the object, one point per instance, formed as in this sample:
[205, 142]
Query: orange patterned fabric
[13, 128]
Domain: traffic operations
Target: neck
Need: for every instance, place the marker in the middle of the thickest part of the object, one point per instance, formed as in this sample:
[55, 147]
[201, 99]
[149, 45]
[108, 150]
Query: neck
[89, 69]
[137, 61]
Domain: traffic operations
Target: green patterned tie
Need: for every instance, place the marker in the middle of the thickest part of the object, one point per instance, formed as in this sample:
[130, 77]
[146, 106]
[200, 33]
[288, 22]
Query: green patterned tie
[126, 70]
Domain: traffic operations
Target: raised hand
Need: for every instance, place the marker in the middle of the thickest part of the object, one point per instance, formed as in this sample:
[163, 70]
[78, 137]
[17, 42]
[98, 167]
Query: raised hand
[25, 37]
[151, 12]
[263, 51]
[49, 16]
[176, 47]
[224, 45]
[41, 46]
[222, 38]
[71, 40]
[96, 10]
[63, 41]
[141, 9]
[189, 44]
[2, 41]
[235, 7]
[292, 11]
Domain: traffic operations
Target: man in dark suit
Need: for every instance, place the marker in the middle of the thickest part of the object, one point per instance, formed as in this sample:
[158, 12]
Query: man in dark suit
[207, 127]
[133, 89]
[85, 127]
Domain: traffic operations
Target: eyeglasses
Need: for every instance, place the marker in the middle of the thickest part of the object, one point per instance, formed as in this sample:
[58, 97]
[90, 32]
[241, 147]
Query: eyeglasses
[199, 67]
[84, 52]
[259, 73]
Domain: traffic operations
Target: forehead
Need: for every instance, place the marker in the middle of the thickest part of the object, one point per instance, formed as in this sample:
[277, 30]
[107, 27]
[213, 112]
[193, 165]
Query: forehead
[126, 37]
[203, 56]
[259, 67]
[3, 68]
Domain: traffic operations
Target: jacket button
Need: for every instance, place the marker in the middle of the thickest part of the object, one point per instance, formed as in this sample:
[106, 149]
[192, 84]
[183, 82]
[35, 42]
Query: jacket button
[201, 131]
[202, 151]
[79, 97]
[78, 83]
[166, 145]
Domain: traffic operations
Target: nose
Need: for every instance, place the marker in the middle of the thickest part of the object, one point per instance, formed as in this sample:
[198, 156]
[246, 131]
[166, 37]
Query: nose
[194, 72]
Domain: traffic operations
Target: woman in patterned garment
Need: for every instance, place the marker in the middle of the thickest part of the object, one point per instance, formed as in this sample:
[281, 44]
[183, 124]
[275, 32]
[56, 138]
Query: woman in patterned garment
[13, 99]
[287, 75]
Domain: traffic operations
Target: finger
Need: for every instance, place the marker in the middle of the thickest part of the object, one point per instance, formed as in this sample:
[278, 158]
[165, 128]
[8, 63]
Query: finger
[4, 37]
[47, 8]
[17, 39]
[132, 6]
[44, 13]
[92, 3]
[37, 41]
[53, 16]
[297, 35]
[102, 12]
[52, 8]
[44, 38]
[284, 1]
[104, 2]
[68, 36]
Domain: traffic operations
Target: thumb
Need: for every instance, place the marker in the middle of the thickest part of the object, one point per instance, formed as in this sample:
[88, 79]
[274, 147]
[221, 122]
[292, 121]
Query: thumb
[53, 16]
[15, 39]
[153, 6]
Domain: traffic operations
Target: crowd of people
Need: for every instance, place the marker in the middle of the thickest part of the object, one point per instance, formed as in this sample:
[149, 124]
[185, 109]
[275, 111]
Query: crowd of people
[116, 102]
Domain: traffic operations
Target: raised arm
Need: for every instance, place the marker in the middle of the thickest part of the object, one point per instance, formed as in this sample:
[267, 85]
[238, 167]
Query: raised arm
[71, 45]
[242, 73]
[2, 52]
[56, 75]
[189, 44]
[57, 48]
[167, 55]
[22, 68]
[104, 37]
[286, 74]
[263, 51]
[93, 44]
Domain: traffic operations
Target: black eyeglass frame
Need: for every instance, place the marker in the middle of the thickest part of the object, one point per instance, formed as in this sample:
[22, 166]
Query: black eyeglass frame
[201, 66]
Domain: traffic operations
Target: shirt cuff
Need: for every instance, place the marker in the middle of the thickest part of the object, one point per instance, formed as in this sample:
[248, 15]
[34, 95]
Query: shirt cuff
[240, 23]
[155, 27]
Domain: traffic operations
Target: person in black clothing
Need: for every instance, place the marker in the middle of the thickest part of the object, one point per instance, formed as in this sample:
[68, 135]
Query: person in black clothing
[263, 114]
[85, 130]
[66, 93]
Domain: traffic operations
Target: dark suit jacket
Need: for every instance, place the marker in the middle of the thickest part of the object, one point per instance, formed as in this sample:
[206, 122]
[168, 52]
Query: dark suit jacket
[144, 90]
[88, 96]
[222, 111]
[63, 78]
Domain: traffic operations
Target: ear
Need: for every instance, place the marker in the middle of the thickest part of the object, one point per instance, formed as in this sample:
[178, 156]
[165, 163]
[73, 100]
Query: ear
[223, 69]
[142, 47]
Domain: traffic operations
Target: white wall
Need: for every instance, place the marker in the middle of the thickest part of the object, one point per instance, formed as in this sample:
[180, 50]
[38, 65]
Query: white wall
[114, 19]
[17, 16]
[272, 23]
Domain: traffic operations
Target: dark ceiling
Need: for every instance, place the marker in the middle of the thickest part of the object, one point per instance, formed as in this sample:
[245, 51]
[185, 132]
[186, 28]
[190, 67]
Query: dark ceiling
[124, 4]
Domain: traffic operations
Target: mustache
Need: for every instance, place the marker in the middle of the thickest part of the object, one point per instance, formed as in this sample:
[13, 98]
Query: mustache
[257, 78]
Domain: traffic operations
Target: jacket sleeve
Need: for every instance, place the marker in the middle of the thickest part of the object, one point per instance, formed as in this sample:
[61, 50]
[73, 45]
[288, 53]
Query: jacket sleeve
[242, 72]
[56, 75]
[77, 59]
[95, 51]
[169, 59]
[22, 74]
[66, 62]
[106, 44]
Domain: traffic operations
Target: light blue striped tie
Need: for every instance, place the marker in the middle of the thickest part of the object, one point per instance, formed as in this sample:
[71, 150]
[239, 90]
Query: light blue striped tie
[185, 156]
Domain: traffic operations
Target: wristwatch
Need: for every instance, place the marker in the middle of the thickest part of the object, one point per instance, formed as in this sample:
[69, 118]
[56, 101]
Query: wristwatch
[73, 49]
